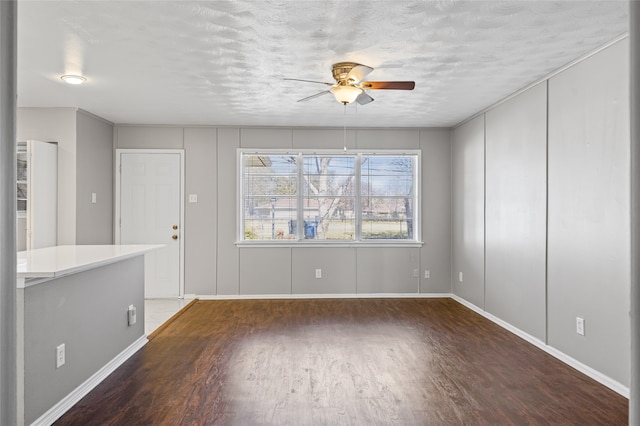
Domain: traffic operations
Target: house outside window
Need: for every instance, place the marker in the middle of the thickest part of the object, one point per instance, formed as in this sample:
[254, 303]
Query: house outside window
[329, 197]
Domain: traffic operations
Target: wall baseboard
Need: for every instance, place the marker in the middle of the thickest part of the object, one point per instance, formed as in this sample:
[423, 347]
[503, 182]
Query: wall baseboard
[572, 362]
[55, 412]
[325, 296]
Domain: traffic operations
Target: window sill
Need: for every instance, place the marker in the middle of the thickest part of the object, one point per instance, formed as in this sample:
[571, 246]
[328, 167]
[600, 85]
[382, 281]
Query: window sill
[336, 244]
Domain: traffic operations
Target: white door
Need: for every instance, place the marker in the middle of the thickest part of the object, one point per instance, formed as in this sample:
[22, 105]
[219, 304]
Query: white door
[150, 198]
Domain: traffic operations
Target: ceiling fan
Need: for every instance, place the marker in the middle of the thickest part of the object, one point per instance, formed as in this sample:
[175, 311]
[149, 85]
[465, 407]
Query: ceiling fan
[349, 86]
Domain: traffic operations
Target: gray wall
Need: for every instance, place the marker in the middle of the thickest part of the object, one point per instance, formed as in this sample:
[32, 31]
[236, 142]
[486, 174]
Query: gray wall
[589, 222]
[586, 234]
[85, 165]
[94, 174]
[56, 125]
[215, 266]
[634, 42]
[87, 312]
[200, 218]
[228, 255]
[435, 255]
[516, 210]
[468, 211]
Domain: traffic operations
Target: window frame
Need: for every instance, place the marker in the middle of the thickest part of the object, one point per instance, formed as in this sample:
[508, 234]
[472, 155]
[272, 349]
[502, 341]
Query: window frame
[300, 241]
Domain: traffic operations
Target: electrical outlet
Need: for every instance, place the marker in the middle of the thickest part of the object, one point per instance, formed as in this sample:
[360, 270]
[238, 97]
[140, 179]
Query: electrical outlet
[460, 277]
[416, 273]
[60, 356]
[318, 273]
[427, 273]
[580, 326]
[193, 198]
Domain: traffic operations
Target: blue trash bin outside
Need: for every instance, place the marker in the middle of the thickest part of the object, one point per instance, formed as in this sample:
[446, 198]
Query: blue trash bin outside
[310, 229]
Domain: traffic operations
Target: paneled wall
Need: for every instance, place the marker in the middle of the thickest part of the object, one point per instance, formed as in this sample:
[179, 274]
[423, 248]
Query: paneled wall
[541, 200]
[468, 211]
[214, 265]
[516, 209]
[589, 217]
[200, 231]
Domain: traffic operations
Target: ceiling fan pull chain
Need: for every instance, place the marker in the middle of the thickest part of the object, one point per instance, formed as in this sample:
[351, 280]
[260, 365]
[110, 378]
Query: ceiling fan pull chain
[344, 122]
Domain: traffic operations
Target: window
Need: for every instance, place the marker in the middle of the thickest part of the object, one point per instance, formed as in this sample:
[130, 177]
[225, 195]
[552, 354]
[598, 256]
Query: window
[329, 197]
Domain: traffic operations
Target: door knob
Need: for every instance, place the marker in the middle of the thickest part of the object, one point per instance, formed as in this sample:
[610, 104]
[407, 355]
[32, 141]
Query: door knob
[174, 237]
[174, 227]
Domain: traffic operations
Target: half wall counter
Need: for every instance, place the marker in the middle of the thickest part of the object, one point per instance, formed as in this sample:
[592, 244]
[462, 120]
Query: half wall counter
[74, 326]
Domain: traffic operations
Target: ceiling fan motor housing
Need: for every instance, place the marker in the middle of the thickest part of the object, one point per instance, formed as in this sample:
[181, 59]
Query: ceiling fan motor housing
[341, 70]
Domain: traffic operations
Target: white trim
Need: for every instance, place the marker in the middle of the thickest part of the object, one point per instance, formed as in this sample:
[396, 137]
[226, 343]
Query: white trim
[572, 362]
[329, 151]
[116, 213]
[55, 412]
[333, 244]
[327, 296]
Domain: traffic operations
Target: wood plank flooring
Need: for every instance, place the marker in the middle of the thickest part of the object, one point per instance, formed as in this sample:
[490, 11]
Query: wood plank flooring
[343, 362]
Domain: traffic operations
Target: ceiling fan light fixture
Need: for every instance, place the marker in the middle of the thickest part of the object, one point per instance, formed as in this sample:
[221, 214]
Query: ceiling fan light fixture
[73, 79]
[346, 94]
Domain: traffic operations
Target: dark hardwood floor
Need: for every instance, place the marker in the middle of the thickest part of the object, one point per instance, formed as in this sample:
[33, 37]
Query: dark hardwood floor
[343, 362]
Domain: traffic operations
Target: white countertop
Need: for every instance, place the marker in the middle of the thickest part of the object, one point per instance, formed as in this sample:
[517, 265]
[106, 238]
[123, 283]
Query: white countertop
[53, 262]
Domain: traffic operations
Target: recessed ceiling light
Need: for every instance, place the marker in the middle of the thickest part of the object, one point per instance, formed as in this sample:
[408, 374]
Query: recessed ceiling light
[73, 79]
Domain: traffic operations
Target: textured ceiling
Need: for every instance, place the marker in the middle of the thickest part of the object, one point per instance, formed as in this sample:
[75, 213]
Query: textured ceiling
[223, 62]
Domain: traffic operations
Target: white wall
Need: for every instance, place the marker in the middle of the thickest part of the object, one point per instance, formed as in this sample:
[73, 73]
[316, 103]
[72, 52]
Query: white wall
[215, 266]
[545, 266]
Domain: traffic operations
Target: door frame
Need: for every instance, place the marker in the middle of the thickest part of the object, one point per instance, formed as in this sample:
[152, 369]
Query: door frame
[117, 215]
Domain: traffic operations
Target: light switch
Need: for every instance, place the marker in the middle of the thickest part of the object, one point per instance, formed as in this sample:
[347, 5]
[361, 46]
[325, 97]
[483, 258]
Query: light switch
[94, 198]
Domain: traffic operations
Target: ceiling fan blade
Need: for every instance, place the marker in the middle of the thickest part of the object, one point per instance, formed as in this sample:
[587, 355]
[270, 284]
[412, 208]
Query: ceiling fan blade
[364, 99]
[390, 85]
[307, 81]
[314, 96]
[358, 72]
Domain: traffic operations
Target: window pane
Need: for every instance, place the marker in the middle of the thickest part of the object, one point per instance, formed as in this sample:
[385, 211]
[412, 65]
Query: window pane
[329, 218]
[270, 218]
[269, 192]
[328, 175]
[269, 175]
[334, 205]
[280, 164]
[387, 218]
[269, 185]
[387, 175]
